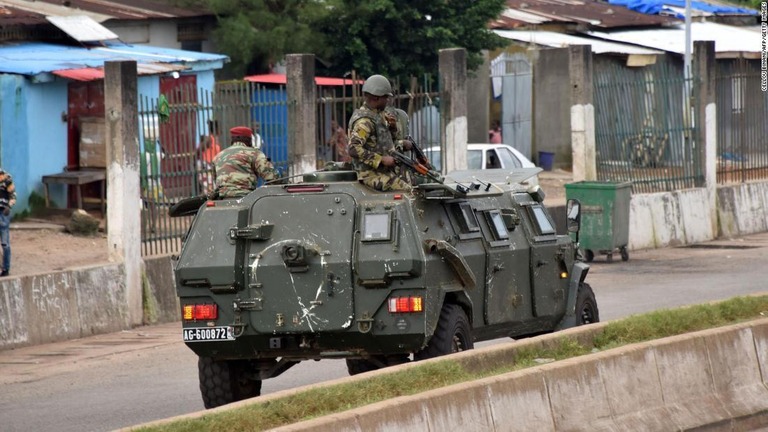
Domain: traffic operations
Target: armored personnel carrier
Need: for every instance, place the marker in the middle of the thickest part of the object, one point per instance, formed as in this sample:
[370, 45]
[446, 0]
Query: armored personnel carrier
[328, 268]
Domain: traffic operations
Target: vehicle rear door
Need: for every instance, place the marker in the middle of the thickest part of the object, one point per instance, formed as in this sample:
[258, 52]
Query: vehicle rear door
[302, 271]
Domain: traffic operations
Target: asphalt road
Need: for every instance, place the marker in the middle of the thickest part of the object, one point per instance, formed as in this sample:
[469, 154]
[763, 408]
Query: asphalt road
[111, 381]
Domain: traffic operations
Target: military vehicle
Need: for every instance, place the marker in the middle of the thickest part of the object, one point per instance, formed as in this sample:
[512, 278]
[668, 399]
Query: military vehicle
[328, 268]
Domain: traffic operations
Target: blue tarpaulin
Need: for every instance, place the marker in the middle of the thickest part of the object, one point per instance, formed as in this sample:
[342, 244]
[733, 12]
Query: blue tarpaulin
[33, 58]
[656, 7]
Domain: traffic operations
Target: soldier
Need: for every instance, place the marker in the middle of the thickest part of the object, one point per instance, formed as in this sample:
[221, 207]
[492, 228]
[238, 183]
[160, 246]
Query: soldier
[239, 166]
[7, 200]
[371, 139]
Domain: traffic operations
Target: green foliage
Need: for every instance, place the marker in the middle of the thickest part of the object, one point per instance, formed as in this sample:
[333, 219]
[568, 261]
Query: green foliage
[664, 323]
[401, 38]
[397, 38]
[258, 33]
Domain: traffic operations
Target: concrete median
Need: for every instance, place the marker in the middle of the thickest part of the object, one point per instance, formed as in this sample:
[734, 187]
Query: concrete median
[713, 379]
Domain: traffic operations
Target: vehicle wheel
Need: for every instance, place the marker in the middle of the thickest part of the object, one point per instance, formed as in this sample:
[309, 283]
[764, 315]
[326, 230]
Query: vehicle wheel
[609, 257]
[589, 255]
[453, 334]
[624, 253]
[586, 306]
[226, 381]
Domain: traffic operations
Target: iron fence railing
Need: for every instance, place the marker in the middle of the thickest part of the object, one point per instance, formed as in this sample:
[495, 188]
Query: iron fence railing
[742, 122]
[180, 132]
[643, 131]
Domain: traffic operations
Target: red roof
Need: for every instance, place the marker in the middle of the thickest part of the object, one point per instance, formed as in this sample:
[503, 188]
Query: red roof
[280, 79]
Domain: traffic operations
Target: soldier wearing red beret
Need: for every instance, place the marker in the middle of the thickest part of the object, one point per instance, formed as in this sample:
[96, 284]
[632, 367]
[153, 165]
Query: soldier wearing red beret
[239, 166]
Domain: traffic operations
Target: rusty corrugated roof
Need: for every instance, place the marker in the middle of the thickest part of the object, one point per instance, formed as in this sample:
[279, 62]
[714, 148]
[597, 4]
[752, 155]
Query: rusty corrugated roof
[583, 13]
[100, 10]
[12, 16]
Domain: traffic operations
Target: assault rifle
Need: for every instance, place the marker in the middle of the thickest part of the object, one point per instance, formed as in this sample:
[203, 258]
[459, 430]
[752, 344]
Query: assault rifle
[419, 153]
[416, 166]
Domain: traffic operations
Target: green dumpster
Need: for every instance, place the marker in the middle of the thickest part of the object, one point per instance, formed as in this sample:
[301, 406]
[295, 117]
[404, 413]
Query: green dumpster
[604, 217]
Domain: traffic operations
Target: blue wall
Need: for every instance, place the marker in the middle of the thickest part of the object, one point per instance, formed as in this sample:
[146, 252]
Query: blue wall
[45, 104]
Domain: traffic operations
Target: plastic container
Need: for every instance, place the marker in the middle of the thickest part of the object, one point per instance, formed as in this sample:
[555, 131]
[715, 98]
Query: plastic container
[546, 160]
[604, 217]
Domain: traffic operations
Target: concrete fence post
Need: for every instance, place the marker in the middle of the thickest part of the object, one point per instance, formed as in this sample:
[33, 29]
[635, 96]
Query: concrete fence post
[478, 106]
[302, 112]
[453, 107]
[582, 114]
[705, 120]
[123, 190]
[551, 105]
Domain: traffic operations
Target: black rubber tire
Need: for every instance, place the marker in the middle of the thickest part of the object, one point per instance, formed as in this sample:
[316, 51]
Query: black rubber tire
[589, 255]
[624, 253]
[586, 306]
[226, 381]
[453, 334]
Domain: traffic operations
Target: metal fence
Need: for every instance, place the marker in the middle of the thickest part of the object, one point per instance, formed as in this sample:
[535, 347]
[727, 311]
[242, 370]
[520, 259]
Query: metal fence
[643, 132]
[742, 122]
[418, 98]
[182, 130]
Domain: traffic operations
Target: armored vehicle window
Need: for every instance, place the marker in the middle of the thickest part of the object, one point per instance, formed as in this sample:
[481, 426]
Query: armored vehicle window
[542, 221]
[376, 226]
[465, 217]
[497, 225]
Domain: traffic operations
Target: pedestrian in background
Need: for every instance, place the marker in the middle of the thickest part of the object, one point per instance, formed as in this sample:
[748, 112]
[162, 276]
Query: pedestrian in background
[239, 167]
[494, 135]
[338, 142]
[256, 141]
[7, 201]
[207, 150]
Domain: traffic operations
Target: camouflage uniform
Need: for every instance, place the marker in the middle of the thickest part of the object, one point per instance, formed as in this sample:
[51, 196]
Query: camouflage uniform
[238, 167]
[398, 123]
[370, 138]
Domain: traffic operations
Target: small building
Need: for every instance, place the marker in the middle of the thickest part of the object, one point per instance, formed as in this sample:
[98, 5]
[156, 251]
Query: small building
[52, 105]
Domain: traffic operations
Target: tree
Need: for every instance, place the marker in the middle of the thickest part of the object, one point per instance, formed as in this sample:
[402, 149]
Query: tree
[399, 38]
[256, 34]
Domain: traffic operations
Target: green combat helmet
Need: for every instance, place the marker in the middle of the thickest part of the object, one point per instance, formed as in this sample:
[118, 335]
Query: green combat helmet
[377, 85]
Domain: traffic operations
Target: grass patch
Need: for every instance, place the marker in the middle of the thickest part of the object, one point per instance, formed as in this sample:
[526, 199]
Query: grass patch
[340, 397]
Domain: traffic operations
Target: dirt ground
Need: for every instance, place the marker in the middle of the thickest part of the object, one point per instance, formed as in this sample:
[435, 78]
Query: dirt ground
[40, 245]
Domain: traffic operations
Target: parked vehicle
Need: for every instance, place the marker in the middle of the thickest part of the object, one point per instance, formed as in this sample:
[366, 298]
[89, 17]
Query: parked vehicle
[489, 156]
[329, 268]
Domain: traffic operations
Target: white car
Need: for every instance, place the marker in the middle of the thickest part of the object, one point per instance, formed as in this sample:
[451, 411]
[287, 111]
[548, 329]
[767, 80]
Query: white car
[489, 156]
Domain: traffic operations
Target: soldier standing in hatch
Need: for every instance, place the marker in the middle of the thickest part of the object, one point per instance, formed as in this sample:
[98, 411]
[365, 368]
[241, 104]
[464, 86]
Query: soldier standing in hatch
[238, 167]
[371, 139]
[7, 200]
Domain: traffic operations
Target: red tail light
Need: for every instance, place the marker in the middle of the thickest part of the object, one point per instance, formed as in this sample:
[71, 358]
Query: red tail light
[201, 312]
[405, 304]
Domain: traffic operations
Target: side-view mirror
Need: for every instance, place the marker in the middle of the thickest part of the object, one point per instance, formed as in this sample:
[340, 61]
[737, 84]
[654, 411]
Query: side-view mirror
[573, 215]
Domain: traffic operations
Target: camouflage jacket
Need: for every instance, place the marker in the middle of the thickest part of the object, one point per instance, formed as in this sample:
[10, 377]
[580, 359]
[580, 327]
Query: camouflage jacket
[7, 190]
[369, 139]
[238, 168]
[398, 123]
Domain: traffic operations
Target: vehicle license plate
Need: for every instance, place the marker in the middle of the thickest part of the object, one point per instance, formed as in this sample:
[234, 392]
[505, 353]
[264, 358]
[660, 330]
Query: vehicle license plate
[207, 334]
